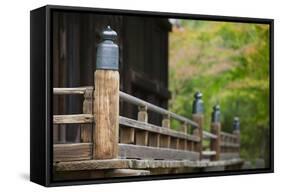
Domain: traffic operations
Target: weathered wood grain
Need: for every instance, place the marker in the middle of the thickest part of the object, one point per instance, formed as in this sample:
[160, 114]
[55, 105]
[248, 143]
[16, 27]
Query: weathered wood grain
[106, 110]
[72, 152]
[139, 164]
[87, 129]
[156, 129]
[73, 119]
[126, 135]
[147, 152]
[228, 156]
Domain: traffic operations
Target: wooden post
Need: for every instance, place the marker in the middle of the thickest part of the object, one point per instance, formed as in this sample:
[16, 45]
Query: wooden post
[184, 143]
[215, 129]
[236, 131]
[142, 136]
[86, 129]
[198, 117]
[165, 140]
[106, 98]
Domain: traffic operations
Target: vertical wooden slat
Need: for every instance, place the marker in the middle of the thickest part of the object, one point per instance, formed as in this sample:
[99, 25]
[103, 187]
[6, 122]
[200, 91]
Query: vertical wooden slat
[87, 129]
[141, 137]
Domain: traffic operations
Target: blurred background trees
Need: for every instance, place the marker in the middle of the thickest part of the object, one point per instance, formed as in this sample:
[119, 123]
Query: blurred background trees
[229, 64]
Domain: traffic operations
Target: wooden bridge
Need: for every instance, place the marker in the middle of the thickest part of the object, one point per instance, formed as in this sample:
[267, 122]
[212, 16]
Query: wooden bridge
[112, 145]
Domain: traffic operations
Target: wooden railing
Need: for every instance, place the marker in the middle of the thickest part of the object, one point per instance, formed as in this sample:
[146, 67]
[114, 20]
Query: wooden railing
[138, 139]
[104, 135]
[63, 151]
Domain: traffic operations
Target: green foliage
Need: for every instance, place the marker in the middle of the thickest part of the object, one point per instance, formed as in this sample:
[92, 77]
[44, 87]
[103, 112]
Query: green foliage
[229, 64]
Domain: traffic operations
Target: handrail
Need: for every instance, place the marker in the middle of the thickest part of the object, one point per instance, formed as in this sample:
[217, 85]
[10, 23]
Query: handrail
[70, 90]
[137, 101]
[207, 135]
[228, 134]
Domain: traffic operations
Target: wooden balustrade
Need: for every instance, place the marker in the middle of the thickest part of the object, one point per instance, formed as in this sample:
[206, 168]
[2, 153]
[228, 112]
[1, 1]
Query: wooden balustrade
[115, 137]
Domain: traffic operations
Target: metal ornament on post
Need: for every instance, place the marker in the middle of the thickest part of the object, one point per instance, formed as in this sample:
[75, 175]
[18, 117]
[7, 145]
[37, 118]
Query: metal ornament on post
[216, 114]
[108, 51]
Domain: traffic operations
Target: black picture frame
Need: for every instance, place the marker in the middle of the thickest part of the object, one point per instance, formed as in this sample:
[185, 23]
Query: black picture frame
[41, 94]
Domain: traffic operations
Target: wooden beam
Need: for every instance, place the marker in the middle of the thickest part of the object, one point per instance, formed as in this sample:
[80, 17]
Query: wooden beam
[228, 134]
[73, 119]
[139, 164]
[156, 129]
[72, 152]
[228, 144]
[209, 153]
[147, 152]
[228, 156]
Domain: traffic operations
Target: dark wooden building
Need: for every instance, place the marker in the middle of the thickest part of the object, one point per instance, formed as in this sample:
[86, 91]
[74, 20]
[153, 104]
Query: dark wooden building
[143, 65]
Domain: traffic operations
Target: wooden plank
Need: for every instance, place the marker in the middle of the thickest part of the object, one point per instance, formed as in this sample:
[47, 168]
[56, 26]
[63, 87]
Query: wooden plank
[126, 135]
[153, 139]
[228, 134]
[146, 152]
[93, 165]
[72, 152]
[164, 141]
[227, 156]
[174, 143]
[156, 129]
[182, 144]
[209, 153]
[126, 172]
[139, 164]
[73, 119]
[228, 144]
[106, 110]
[70, 90]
